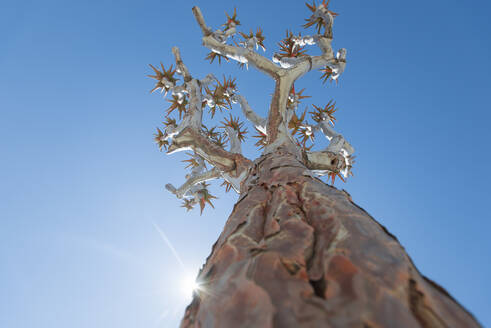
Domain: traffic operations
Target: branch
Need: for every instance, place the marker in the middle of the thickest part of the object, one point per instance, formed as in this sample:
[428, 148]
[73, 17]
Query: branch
[324, 161]
[188, 135]
[193, 180]
[225, 161]
[337, 141]
[325, 18]
[233, 136]
[315, 62]
[258, 121]
[242, 55]
[295, 68]
[182, 69]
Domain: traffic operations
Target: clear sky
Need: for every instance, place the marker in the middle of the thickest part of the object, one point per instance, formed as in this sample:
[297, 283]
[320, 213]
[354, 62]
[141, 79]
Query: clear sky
[86, 225]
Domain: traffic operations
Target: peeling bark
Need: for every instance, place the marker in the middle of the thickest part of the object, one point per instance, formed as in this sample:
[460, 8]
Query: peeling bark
[296, 252]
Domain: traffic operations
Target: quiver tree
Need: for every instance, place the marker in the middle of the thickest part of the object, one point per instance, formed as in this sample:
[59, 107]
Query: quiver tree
[295, 252]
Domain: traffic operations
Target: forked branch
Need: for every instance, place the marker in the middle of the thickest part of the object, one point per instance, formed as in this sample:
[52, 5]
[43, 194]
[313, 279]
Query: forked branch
[283, 128]
[240, 54]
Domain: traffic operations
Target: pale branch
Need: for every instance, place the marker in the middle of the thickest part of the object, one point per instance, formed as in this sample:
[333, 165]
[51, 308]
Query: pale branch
[309, 63]
[188, 135]
[193, 180]
[242, 55]
[337, 141]
[182, 69]
[306, 40]
[233, 136]
[296, 67]
[258, 121]
[323, 41]
[207, 80]
[324, 161]
[225, 161]
[199, 165]
[287, 62]
[235, 181]
[192, 87]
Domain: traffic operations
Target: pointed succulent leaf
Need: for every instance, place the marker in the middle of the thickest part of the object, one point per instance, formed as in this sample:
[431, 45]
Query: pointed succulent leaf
[238, 126]
[213, 55]
[159, 139]
[227, 185]
[188, 203]
[191, 162]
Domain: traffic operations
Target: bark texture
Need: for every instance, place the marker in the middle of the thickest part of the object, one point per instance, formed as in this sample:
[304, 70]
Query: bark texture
[296, 252]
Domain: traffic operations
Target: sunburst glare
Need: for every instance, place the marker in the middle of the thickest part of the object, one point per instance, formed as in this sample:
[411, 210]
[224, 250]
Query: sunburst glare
[189, 285]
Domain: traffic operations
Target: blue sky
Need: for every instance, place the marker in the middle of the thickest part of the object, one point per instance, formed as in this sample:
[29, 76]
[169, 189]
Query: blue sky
[81, 182]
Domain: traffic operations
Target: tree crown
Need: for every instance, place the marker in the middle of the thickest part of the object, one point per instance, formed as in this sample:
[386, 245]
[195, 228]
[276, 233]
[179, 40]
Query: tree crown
[284, 127]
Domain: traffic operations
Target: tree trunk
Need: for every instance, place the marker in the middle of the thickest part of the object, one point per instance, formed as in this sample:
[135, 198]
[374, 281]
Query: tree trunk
[296, 252]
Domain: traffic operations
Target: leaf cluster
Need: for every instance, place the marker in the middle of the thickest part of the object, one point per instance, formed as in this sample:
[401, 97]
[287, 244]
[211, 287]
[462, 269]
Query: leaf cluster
[317, 20]
[262, 138]
[258, 37]
[217, 137]
[205, 197]
[237, 125]
[159, 139]
[161, 76]
[320, 114]
[179, 103]
[289, 48]
[232, 21]
[220, 95]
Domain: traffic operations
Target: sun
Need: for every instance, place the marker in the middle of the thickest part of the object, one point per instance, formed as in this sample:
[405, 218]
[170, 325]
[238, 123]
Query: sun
[189, 285]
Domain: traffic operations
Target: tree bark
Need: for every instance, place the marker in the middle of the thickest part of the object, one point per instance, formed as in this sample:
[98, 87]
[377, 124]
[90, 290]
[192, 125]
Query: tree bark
[296, 252]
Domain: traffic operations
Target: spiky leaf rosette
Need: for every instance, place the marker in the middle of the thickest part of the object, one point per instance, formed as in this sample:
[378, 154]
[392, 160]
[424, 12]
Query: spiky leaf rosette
[252, 39]
[238, 126]
[296, 122]
[295, 97]
[231, 21]
[227, 88]
[205, 197]
[191, 162]
[261, 136]
[165, 78]
[170, 122]
[216, 137]
[324, 114]
[188, 203]
[159, 139]
[211, 56]
[227, 185]
[216, 100]
[219, 96]
[333, 175]
[327, 74]
[305, 134]
[220, 141]
[210, 133]
[317, 19]
[289, 48]
[179, 103]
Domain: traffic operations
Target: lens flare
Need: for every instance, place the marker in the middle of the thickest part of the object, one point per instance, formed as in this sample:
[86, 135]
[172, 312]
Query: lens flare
[189, 285]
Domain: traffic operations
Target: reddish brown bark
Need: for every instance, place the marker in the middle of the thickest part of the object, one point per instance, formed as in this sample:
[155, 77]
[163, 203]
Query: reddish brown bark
[296, 252]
